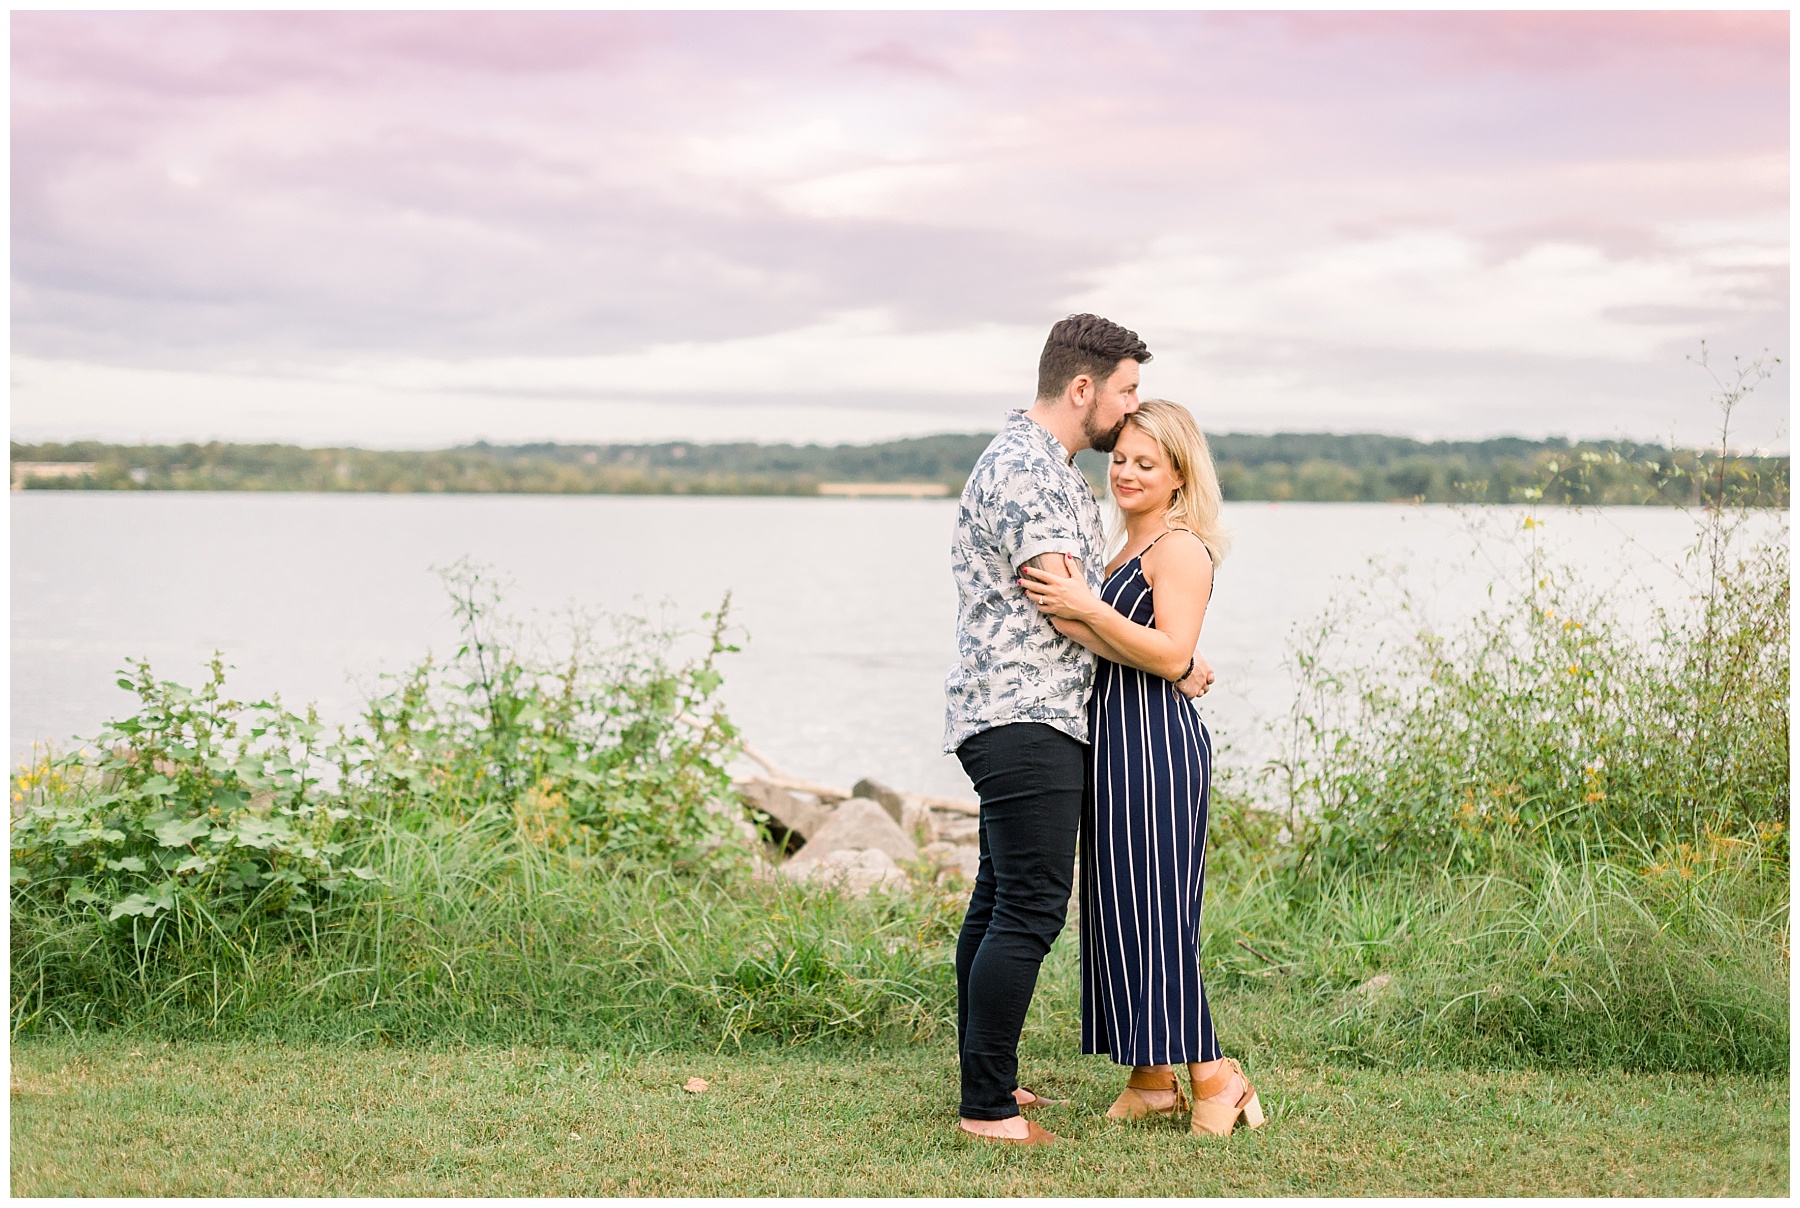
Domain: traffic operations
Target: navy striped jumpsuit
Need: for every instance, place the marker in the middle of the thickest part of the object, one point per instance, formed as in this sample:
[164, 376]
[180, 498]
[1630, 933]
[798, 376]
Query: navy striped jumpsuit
[1143, 859]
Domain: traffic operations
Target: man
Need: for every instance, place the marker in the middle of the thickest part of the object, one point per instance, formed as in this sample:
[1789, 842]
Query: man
[1016, 701]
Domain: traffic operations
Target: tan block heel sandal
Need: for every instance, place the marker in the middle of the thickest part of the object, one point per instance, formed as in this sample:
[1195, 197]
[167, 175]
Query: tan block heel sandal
[1215, 1119]
[1132, 1106]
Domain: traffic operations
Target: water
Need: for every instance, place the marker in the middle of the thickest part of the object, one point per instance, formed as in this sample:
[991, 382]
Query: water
[848, 603]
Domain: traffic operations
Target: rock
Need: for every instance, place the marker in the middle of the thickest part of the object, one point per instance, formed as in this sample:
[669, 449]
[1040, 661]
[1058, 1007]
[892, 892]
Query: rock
[858, 824]
[854, 870]
[793, 818]
[882, 795]
[954, 827]
[954, 859]
[915, 819]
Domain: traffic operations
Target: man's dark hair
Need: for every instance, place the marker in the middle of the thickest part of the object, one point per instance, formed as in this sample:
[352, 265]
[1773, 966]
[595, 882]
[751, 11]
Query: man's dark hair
[1085, 344]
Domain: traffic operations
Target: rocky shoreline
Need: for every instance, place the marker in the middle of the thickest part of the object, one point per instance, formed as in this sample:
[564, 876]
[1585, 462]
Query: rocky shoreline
[869, 837]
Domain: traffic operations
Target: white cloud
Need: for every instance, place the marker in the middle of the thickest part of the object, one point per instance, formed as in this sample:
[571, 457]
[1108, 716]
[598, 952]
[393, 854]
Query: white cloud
[853, 352]
[1437, 290]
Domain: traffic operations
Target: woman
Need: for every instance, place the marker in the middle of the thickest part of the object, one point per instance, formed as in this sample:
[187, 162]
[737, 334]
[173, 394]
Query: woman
[1143, 829]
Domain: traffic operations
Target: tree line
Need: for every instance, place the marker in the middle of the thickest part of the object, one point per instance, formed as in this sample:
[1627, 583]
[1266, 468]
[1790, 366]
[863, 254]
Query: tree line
[1300, 466]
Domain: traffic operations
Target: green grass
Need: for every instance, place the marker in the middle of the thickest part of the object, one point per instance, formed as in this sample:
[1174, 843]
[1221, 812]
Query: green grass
[1555, 964]
[116, 1115]
[483, 940]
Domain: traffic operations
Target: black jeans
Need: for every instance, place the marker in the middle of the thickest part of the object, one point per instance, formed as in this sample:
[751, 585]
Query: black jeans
[1030, 778]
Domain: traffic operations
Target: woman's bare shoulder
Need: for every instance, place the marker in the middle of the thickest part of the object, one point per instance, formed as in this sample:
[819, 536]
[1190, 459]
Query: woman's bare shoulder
[1180, 551]
[1181, 546]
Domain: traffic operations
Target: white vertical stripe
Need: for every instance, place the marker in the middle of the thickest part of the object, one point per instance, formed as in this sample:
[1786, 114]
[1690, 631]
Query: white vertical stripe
[1144, 1026]
[1172, 721]
[1114, 940]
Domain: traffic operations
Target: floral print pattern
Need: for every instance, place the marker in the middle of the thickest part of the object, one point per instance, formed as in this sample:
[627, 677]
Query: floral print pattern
[1023, 498]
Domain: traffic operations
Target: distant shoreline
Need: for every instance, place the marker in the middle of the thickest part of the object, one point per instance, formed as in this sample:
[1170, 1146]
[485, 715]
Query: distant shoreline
[1286, 467]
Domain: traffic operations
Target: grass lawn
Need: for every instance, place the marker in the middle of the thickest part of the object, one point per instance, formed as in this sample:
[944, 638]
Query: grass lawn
[117, 1116]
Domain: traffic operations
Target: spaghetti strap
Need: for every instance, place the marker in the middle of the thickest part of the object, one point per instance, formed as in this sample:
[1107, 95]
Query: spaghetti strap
[1189, 532]
[1212, 561]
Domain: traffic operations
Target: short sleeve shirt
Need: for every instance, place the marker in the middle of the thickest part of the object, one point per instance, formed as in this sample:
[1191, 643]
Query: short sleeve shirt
[1023, 498]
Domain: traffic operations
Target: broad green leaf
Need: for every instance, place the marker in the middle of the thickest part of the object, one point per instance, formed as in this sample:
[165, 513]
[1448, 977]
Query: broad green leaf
[180, 834]
[127, 863]
[262, 833]
[147, 905]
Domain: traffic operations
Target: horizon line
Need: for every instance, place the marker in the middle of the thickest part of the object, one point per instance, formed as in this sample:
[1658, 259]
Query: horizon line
[670, 442]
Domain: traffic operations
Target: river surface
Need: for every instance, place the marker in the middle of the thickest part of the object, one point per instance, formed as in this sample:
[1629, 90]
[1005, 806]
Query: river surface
[846, 606]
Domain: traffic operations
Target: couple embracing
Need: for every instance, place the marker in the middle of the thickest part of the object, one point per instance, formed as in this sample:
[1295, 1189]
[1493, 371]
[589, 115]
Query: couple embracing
[1070, 708]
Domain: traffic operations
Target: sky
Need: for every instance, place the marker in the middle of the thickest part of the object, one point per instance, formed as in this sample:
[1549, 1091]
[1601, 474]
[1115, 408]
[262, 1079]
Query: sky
[418, 229]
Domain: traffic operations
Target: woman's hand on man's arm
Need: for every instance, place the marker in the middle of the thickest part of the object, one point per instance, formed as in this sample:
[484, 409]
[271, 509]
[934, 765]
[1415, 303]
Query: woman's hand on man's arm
[1180, 573]
[1067, 586]
[1056, 583]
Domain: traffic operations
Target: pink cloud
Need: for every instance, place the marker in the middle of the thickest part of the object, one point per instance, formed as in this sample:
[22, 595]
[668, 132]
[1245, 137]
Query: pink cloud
[207, 188]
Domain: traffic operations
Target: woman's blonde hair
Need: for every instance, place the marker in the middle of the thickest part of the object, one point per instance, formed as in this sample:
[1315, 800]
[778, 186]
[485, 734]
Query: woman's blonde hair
[1195, 503]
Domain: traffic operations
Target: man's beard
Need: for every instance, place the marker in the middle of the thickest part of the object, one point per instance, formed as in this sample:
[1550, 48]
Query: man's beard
[1102, 442]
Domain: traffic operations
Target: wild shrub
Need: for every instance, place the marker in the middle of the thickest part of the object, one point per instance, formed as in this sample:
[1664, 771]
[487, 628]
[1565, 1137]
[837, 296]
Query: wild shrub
[1547, 719]
[197, 811]
[619, 749]
[206, 847]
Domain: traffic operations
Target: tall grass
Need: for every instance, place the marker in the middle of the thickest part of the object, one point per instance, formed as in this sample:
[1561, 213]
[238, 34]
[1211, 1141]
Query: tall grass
[477, 932]
[1557, 961]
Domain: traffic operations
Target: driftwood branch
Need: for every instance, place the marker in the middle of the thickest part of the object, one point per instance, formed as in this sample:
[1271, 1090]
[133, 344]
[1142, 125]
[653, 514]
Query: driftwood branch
[823, 792]
[1275, 965]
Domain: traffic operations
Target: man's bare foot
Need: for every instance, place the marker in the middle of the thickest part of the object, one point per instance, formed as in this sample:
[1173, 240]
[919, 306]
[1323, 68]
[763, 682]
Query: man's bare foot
[1013, 1127]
